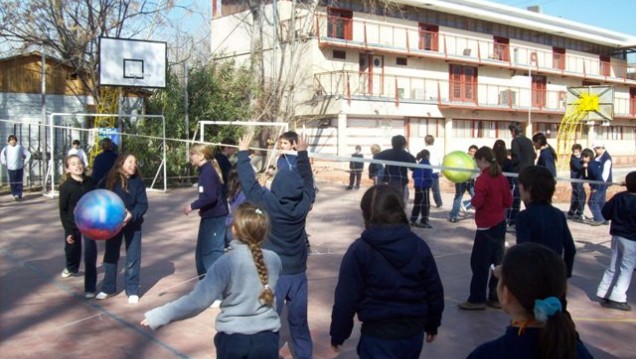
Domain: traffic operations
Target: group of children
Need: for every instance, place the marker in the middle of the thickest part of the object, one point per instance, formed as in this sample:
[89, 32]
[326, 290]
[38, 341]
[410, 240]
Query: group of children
[388, 276]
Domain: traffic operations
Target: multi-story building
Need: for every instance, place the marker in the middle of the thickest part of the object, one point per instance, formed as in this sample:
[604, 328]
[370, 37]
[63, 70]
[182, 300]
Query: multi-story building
[461, 70]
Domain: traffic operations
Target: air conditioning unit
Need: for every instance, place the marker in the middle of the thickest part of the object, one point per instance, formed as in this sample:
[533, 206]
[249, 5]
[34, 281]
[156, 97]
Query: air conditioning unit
[508, 97]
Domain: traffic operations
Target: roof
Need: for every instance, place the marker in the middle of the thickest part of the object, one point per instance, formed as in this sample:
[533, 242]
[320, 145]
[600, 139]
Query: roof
[508, 15]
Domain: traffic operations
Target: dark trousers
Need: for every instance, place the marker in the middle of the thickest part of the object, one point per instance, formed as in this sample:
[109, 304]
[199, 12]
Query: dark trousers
[73, 252]
[577, 200]
[421, 204]
[377, 348]
[594, 202]
[516, 202]
[488, 249]
[354, 178]
[90, 265]
[15, 181]
[132, 236]
[263, 345]
[292, 291]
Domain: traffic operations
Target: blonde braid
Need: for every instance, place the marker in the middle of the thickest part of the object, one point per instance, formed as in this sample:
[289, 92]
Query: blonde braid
[267, 295]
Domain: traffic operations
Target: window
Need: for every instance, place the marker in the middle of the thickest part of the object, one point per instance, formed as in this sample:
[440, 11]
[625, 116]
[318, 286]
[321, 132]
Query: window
[538, 90]
[632, 101]
[558, 58]
[463, 83]
[429, 37]
[605, 66]
[401, 61]
[613, 133]
[339, 54]
[501, 50]
[339, 23]
[475, 129]
[548, 129]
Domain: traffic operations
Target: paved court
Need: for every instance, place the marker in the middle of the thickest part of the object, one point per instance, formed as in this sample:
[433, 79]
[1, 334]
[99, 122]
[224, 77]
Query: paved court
[45, 316]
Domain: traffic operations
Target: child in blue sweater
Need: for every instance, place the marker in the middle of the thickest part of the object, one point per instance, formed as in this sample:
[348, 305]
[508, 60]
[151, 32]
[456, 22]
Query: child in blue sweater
[422, 182]
[531, 279]
[388, 277]
[245, 278]
[593, 171]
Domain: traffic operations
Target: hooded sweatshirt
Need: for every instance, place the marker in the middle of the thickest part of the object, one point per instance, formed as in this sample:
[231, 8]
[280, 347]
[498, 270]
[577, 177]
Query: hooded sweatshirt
[287, 204]
[389, 278]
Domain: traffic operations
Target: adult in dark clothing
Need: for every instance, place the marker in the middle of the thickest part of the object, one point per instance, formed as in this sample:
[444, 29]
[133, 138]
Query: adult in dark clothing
[287, 202]
[577, 196]
[522, 156]
[388, 277]
[355, 170]
[531, 279]
[104, 161]
[396, 176]
[222, 157]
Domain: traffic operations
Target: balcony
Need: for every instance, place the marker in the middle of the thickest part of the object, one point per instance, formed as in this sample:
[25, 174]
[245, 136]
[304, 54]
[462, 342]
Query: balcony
[384, 37]
[448, 94]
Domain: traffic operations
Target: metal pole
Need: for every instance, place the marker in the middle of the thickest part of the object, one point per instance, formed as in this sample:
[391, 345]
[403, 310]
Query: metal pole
[529, 125]
[43, 163]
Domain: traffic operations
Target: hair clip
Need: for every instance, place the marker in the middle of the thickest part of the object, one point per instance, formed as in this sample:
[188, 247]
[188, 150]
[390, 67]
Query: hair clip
[545, 308]
[266, 286]
[258, 211]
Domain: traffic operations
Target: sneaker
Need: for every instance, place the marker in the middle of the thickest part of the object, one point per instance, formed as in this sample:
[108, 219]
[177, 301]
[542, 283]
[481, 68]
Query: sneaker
[426, 225]
[569, 215]
[471, 306]
[453, 219]
[438, 205]
[512, 228]
[493, 304]
[349, 187]
[421, 225]
[65, 273]
[616, 305]
[89, 295]
[16, 198]
[133, 299]
[596, 223]
[102, 296]
[216, 304]
[606, 223]
[462, 208]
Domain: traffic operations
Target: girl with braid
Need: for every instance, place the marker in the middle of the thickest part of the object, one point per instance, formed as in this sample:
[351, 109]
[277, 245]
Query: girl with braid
[245, 278]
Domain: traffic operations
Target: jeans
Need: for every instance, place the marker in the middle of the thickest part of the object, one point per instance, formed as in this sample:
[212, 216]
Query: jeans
[210, 243]
[90, 265]
[377, 348]
[602, 195]
[488, 249]
[354, 178]
[460, 188]
[421, 205]
[73, 252]
[15, 180]
[262, 345]
[594, 204]
[292, 290]
[577, 200]
[437, 196]
[618, 275]
[132, 237]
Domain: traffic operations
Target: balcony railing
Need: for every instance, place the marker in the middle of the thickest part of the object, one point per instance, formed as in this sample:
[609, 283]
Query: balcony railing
[352, 85]
[384, 36]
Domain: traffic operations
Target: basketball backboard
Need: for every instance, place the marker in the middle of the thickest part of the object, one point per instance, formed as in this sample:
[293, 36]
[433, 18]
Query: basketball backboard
[596, 101]
[132, 63]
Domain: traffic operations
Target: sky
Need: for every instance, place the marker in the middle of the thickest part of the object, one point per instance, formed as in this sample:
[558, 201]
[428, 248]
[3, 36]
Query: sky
[616, 15]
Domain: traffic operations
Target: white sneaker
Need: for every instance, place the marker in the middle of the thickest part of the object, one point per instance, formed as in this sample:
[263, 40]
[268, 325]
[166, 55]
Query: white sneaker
[462, 208]
[133, 299]
[89, 295]
[102, 296]
[66, 273]
[216, 304]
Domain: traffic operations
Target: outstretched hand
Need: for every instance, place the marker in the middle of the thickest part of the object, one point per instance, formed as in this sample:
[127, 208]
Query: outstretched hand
[244, 142]
[302, 144]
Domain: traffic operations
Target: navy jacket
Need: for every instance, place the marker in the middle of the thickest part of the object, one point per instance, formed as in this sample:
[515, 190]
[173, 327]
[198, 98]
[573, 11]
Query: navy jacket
[423, 177]
[102, 163]
[395, 174]
[514, 346]
[523, 154]
[545, 224]
[593, 172]
[70, 193]
[605, 160]
[135, 199]
[547, 160]
[287, 204]
[387, 273]
[356, 166]
[211, 201]
[621, 210]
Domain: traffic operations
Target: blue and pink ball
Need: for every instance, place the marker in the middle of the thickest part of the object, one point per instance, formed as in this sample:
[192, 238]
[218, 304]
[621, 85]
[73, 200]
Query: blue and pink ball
[100, 214]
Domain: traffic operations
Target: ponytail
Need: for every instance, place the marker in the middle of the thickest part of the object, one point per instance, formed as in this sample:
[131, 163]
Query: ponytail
[487, 154]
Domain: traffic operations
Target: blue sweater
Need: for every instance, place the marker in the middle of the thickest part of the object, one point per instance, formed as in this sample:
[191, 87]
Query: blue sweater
[135, 200]
[514, 346]
[547, 160]
[388, 277]
[423, 177]
[593, 172]
[576, 167]
[102, 163]
[544, 224]
[287, 204]
[211, 201]
[621, 210]
[234, 278]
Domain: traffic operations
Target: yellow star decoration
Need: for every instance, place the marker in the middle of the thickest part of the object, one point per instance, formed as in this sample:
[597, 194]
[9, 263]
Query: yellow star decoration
[588, 102]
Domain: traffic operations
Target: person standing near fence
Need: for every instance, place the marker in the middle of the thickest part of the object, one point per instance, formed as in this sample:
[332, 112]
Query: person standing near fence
[355, 169]
[436, 160]
[14, 156]
[104, 161]
[79, 152]
[522, 156]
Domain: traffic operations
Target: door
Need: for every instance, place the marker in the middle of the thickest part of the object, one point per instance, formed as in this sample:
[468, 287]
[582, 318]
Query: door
[463, 83]
[538, 91]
